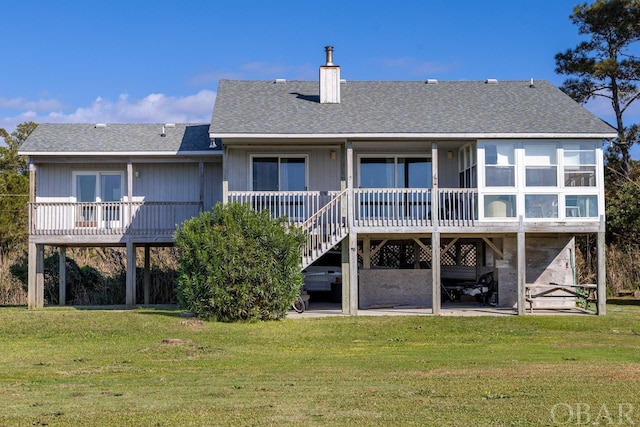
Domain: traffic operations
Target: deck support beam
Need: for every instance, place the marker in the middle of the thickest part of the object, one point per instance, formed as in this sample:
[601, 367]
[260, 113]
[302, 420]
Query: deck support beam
[62, 274]
[353, 274]
[147, 274]
[366, 253]
[602, 275]
[435, 236]
[346, 282]
[435, 273]
[521, 268]
[350, 292]
[130, 292]
[35, 297]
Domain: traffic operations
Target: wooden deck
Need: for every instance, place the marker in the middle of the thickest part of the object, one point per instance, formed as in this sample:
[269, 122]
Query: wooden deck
[107, 221]
[323, 214]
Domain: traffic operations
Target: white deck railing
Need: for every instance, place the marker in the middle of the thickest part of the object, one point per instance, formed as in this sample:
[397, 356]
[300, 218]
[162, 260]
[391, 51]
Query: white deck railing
[374, 207]
[298, 206]
[322, 213]
[109, 218]
[392, 207]
[458, 206]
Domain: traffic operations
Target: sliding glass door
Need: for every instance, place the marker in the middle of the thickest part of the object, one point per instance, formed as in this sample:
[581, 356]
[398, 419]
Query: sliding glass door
[96, 194]
[408, 180]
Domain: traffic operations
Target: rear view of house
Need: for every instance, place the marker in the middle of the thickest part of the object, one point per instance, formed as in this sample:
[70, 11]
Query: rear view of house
[416, 182]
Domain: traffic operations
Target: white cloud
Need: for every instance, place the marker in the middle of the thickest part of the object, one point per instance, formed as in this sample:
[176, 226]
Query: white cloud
[154, 108]
[22, 104]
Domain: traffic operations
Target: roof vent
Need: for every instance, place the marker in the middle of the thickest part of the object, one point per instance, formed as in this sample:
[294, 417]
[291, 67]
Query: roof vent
[170, 125]
[328, 50]
[100, 125]
[432, 82]
[343, 81]
[280, 81]
[531, 83]
[491, 81]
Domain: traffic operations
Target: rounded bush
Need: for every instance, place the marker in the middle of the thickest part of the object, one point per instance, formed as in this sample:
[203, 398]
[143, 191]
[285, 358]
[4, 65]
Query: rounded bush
[238, 264]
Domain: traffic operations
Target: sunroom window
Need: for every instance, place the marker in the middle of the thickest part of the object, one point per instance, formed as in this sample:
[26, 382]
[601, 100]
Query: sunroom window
[581, 206]
[541, 168]
[499, 160]
[541, 205]
[500, 206]
[467, 166]
[579, 165]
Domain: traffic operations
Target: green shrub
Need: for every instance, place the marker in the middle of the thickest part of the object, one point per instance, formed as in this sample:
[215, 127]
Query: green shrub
[238, 264]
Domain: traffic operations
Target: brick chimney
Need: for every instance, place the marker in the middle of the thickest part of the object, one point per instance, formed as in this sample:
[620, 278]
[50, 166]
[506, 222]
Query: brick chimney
[329, 80]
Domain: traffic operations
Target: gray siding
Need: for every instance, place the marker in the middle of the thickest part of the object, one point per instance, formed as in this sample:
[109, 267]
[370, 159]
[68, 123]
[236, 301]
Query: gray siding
[238, 167]
[176, 182]
[54, 180]
[156, 182]
[448, 169]
[323, 173]
[212, 184]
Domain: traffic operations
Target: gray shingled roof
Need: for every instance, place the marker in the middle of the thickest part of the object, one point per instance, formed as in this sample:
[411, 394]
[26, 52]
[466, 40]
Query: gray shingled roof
[117, 138]
[400, 107]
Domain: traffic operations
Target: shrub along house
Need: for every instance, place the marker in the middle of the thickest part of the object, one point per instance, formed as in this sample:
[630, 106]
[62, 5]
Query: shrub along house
[418, 182]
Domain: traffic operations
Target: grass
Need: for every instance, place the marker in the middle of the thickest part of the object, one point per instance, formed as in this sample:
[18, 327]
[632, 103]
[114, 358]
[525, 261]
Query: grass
[64, 366]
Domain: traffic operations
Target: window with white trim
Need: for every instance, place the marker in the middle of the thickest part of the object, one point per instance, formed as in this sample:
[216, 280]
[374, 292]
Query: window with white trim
[91, 189]
[377, 173]
[579, 165]
[541, 165]
[499, 161]
[541, 206]
[395, 172]
[279, 173]
[467, 170]
[581, 206]
[500, 206]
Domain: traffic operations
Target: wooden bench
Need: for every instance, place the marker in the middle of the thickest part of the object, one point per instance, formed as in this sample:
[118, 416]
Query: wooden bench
[588, 292]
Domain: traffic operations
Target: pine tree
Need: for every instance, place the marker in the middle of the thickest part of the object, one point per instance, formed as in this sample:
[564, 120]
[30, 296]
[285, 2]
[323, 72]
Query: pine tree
[14, 188]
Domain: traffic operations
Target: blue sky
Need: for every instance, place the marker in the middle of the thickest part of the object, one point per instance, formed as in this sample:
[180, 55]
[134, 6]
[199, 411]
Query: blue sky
[159, 61]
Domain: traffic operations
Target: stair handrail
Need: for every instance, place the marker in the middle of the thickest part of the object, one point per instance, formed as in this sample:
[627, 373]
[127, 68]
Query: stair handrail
[315, 246]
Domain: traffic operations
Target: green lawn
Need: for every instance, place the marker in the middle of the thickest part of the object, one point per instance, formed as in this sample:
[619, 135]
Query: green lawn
[64, 366]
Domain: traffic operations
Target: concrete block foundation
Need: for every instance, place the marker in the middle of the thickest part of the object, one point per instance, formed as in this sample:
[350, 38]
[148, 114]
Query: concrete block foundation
[393, 288]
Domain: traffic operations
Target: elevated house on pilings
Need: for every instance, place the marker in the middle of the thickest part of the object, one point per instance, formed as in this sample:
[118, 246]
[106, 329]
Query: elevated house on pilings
[423, 185]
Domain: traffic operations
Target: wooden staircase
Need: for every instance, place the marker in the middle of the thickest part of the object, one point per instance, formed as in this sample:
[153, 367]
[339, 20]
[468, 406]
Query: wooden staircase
[326, 228]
